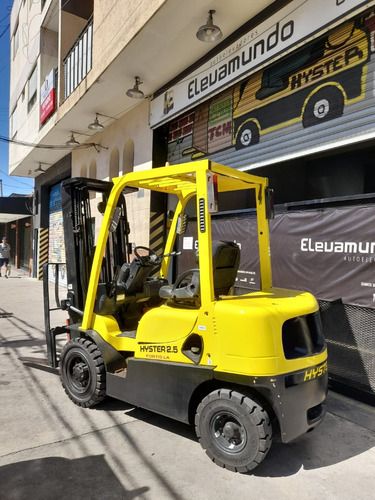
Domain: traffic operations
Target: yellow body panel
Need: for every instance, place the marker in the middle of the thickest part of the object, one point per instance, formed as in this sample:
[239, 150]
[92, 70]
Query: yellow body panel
[162, 331]
[249, 332]
[108, 328]
[159, 324]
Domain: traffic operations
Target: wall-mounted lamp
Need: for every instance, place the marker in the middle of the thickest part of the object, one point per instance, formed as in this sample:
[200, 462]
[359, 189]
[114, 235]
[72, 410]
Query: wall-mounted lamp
[95, 125]
[135, 93]
[39, 170]
[209, 32]
[72, 143]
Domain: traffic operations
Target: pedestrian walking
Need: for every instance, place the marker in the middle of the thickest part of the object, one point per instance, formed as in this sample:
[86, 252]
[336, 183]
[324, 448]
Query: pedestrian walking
[4, 256]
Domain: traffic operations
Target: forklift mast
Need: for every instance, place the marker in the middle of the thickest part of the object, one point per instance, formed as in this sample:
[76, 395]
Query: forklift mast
[79, 236]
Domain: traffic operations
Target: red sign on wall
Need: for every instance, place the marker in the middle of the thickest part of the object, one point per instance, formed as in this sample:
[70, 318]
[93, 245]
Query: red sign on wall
[47, 97]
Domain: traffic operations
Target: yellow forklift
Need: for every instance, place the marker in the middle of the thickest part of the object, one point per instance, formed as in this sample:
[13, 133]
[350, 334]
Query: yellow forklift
[238, 367]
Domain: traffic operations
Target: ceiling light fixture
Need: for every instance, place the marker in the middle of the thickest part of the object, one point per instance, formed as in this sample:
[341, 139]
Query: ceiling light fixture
[209, 32]
[39, 170]
[135, 93]
[95, 125]
[72, 143]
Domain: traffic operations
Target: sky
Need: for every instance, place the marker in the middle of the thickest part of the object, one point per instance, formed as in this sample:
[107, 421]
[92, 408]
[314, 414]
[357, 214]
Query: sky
[11, 184]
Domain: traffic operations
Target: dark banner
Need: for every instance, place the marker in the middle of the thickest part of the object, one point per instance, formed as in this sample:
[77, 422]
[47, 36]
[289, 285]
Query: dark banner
[242, 231]
[330, 252]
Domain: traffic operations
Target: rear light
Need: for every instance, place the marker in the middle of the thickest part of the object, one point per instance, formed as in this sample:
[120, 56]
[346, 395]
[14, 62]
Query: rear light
[303, 336]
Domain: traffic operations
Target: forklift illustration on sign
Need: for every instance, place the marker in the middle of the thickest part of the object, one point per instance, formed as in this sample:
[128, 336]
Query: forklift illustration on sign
[238, 367]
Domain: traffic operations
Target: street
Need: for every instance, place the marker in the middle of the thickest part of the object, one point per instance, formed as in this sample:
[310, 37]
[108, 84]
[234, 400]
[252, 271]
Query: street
[50, 448]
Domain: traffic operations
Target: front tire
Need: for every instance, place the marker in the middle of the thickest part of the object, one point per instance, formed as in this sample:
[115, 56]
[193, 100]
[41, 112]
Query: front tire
[82, 372]
[234, 430]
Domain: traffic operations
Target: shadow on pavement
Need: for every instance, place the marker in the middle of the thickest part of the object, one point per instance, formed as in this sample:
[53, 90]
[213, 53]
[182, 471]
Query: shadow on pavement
[58, 478]
[22, 343]
[4, 314]
[160, 421]
[335, 440]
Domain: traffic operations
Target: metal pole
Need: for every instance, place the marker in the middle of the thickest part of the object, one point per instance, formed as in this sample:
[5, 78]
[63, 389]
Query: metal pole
[1, 188]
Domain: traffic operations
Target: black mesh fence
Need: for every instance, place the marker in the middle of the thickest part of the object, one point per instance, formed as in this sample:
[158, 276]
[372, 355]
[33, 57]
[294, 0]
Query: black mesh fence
[350, 336]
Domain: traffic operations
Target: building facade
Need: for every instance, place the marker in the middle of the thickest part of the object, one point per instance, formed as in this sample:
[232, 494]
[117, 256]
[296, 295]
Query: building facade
[287, 92]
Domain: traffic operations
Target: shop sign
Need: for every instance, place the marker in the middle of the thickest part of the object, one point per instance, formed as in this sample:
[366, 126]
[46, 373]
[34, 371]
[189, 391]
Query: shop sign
[286, 29]
[48, 97]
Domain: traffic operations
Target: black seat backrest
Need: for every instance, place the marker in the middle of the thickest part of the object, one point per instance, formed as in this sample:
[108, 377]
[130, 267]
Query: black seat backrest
[225, 262]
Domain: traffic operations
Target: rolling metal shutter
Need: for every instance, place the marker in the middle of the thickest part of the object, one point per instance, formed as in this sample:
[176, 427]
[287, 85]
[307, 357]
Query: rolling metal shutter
[315, 98]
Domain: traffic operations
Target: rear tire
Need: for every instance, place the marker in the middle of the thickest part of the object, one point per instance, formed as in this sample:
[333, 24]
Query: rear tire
[326, 104]
[234, 430]
[82, 372]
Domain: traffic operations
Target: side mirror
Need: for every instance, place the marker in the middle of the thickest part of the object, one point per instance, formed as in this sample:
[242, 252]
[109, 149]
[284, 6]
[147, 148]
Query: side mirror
[182, 223]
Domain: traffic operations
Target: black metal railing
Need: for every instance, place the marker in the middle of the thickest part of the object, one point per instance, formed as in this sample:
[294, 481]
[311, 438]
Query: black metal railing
[78, 61]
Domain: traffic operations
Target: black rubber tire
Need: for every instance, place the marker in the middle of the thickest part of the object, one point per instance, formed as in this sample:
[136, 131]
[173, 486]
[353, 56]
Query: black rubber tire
[326, 104]
[82, 372]
[234, 430]
[247, 135]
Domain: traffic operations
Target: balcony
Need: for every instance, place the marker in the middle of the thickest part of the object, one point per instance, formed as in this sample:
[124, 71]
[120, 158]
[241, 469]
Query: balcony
[78, 61]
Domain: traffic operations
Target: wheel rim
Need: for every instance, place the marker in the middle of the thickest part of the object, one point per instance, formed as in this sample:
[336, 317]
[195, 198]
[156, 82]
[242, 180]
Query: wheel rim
[321, 108]
[78, 374]
[228, 432]
[246, 137]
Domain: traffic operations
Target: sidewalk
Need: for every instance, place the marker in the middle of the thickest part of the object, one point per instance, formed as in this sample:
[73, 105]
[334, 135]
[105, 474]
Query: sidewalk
[50, 448]
[16, 273]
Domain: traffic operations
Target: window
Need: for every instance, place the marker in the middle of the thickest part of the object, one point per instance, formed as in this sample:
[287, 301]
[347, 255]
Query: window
[32, 89]
[14, 122]
[276, 77]
[15, 41]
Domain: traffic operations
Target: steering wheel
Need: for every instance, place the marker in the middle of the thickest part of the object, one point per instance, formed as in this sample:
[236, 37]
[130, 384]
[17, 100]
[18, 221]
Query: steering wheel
[150, 259]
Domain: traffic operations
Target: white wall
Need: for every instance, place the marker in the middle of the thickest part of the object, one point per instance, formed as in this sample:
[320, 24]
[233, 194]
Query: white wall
[131, 129]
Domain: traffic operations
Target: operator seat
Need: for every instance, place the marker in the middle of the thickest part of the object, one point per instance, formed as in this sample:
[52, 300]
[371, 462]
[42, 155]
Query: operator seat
[225, 262]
